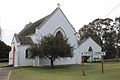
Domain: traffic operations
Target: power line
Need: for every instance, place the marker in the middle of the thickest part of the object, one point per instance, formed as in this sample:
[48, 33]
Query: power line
[112, 10]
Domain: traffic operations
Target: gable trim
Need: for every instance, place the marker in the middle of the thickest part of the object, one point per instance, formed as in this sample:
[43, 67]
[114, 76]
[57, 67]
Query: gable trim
[58, 8]
[15, 36]
[92, 40]
[95, 42]
[67, 20]
[44, 22]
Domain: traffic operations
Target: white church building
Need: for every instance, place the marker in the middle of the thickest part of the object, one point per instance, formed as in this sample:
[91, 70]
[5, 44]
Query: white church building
[54, 23]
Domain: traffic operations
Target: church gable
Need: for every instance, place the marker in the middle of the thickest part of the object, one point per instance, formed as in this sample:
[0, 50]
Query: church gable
[59, 18]
[89, 40]
[89, 45]
[56, 15]
[56, 22]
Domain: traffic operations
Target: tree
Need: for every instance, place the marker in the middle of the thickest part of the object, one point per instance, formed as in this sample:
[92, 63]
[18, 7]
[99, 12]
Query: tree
[4, 50]
[117, 39]
[104, 32]
[0, 33]
[90, 30]
[52, 48]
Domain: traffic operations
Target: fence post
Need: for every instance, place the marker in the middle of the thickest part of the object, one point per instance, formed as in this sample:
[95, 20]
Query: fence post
[102, 64]
[83, 74]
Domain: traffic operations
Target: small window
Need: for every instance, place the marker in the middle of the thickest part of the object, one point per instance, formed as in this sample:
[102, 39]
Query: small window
[90, 49]
[28, 53]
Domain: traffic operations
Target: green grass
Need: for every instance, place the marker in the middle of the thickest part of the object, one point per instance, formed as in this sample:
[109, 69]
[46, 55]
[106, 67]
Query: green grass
[70, 72]
[2, 64]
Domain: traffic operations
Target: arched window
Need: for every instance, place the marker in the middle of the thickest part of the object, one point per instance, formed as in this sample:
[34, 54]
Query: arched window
[28, 53]
[59, 34]
[90, 49]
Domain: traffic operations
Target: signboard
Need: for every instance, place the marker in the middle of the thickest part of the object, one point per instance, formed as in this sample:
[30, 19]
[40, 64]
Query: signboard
[87, 53]
[93, 53]
[90, 53]
[100, 53]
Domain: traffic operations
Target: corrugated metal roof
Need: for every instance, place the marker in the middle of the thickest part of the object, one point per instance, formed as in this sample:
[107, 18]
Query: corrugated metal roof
[38, 24]
[23, 40]
[31, 29]
[94, 39]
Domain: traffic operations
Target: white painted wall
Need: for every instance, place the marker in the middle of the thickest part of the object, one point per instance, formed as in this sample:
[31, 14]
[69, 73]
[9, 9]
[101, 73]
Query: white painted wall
[22, 60]
[10, 58]
[84, 47]
[56, 21]
[14, 44]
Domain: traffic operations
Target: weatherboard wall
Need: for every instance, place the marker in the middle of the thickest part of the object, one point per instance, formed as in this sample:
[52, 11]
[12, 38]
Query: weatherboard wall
[58, 20]
[84, 47]
[16, 45]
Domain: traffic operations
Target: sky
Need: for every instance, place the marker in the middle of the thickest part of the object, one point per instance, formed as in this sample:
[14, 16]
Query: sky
[15, 14]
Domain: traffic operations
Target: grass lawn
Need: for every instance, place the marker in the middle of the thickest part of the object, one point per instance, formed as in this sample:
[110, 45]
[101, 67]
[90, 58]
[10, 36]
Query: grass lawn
[2, 64]
[70, 72]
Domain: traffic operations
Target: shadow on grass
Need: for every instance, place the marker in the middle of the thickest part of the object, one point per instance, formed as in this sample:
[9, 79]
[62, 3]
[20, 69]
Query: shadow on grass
[49, 67]
[56, 67]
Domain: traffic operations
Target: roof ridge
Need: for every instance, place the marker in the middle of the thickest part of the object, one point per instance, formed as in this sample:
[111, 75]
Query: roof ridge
[85, 39]
[39, 23]
[36, 24]
[49, 16]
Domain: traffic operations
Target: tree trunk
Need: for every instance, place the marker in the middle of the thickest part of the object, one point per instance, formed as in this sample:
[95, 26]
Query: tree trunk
[52, 64]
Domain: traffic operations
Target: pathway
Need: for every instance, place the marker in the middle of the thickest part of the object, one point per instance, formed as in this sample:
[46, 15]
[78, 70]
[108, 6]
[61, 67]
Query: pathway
[5, 73]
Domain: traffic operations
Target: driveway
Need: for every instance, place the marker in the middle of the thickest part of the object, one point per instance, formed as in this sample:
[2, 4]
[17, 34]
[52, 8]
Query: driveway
[5, 73]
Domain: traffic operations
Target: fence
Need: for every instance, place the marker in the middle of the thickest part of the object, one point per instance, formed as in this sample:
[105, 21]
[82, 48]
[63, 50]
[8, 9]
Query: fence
[5, 59]
[112, 60]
